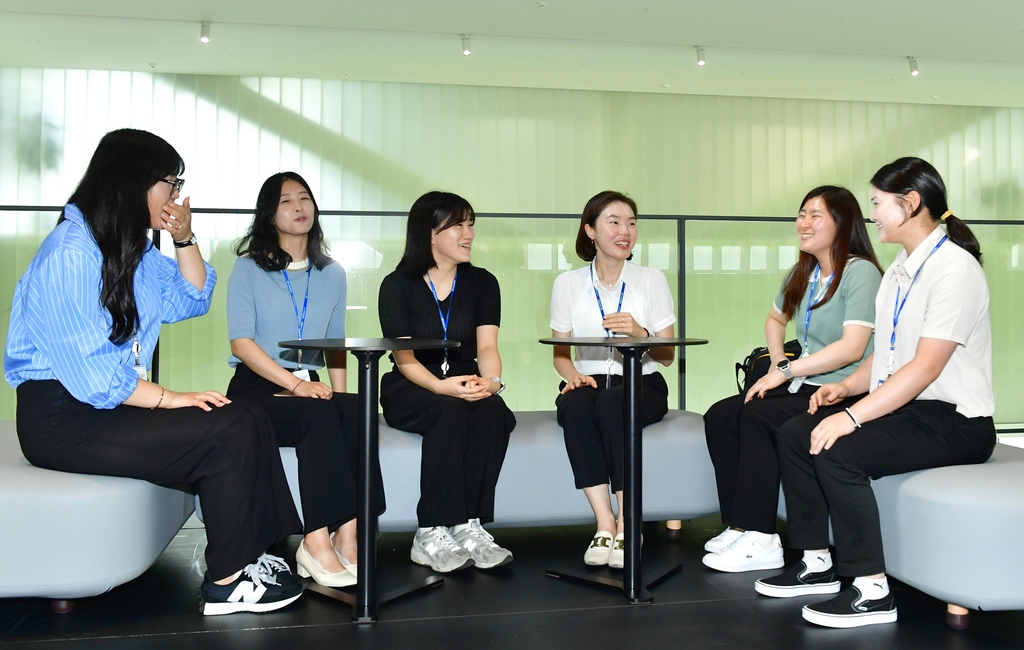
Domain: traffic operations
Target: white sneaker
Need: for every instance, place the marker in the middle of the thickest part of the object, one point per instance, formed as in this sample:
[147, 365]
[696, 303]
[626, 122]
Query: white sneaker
[748, 553]
[617, 558]
[599, 550]
[436, 549]
[718, 543]
[480, 545]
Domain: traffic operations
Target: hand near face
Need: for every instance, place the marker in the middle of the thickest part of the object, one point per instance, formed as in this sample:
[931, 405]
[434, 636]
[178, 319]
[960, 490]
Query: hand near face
[177, 220]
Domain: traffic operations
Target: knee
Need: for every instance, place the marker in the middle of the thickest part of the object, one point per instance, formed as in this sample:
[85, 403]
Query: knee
[795, 436]
[240, 430]
[609, 407]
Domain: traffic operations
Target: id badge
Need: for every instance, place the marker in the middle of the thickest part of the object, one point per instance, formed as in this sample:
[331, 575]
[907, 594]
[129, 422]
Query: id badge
[796, 383]
[140, 371]
[302, 374]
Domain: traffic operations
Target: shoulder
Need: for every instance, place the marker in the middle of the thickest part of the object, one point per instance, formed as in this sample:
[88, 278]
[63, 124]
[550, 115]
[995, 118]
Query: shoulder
[332, 269]
[573, 278]
[860, 271]
[478, 276]
[245, 267]
[648, 274]
[959, 264]
[397, 280]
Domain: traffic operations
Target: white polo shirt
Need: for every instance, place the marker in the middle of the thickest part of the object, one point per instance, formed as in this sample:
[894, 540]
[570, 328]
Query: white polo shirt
[574, 309]
[949, 301]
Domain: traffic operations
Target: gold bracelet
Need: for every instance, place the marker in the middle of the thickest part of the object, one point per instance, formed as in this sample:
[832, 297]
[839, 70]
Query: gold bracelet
[161, 400]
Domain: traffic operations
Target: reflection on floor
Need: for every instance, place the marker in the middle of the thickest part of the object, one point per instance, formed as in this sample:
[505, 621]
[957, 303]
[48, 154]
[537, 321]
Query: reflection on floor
[512, 607]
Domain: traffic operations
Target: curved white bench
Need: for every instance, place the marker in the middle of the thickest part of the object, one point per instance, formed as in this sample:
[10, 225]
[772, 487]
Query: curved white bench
[69, 536]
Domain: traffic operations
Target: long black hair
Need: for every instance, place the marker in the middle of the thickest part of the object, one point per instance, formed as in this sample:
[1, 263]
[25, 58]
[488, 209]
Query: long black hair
[434, 211]
[113, 199]
[851, 240]
[906, 175]
[262, 243]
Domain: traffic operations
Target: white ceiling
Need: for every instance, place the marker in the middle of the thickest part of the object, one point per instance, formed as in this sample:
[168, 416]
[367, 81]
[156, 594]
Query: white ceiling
[968, 53]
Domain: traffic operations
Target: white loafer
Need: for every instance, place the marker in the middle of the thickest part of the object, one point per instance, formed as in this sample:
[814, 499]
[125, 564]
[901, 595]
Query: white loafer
[599, 550]
[308, 567]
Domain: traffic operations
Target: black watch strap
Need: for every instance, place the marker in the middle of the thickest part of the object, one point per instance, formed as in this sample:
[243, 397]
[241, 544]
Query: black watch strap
[191, 241]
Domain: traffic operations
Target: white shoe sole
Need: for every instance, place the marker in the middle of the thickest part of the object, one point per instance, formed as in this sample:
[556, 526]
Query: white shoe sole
[502, 562]
[424, 560]
[714, 561]
[844, 621]
[799, 590]
[306, 567]
[602, 561]
[219, 609]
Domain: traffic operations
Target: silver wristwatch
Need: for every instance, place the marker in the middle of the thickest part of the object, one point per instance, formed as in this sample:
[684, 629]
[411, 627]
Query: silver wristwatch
[498, 379]
[784, 367]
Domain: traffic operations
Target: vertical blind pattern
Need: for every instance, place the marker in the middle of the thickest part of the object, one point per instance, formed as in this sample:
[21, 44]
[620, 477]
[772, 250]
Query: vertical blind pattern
[377, 146]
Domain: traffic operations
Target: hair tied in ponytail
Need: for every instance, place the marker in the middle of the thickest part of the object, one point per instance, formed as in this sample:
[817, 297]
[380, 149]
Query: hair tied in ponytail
[945, 215]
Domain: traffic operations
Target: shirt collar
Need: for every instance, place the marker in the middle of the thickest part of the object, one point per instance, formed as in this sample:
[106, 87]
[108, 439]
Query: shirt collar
[624, 276]
[908, 266]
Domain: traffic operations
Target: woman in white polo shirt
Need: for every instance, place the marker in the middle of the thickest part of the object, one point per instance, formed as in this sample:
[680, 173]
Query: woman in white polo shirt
[607, 297]
[928, 402]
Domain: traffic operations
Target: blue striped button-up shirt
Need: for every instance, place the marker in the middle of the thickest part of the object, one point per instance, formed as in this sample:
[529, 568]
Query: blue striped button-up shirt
[59, 328]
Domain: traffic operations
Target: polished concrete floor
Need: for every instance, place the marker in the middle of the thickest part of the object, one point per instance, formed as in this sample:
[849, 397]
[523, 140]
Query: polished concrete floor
[512, 607]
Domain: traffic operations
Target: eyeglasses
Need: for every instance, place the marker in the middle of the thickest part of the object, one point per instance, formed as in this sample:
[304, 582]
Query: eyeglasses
[177, 183]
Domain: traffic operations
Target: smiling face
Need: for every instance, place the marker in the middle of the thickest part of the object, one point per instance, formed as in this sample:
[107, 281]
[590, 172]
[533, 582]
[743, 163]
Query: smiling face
[295, 210]
[614, 231]
[454, 244]
[157, 197]
[889, 214]
[815, 227]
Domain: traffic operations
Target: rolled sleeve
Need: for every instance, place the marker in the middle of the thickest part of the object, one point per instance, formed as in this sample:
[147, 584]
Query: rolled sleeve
[71, 326]
[662, 308]
[180, 299]
[561, 304]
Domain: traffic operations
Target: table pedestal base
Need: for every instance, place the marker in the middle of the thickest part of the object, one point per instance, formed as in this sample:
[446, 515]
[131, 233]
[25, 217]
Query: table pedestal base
[388, 596]
[654, 572]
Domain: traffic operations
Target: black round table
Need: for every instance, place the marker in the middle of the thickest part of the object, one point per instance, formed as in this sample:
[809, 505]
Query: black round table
[632, 349]
[369, 352]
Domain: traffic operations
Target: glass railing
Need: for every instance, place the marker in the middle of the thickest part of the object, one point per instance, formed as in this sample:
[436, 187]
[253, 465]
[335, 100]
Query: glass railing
[732, 269]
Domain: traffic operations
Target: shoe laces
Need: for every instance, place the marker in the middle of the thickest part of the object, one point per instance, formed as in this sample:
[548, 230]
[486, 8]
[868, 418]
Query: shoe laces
[478, 531]
[443, 539]
[265, 569]
[741, 540]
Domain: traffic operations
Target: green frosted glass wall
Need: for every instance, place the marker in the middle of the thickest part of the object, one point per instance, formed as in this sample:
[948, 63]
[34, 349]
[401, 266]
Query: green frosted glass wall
[377, 146]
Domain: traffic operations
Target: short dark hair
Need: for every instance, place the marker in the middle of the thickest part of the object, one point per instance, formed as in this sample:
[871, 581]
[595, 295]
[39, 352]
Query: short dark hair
[585, 247]
[434, 211]
[261, 242]
[113, 199]
[905, 175]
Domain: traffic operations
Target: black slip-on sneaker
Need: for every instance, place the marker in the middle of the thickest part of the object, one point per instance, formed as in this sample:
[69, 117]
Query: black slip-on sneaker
[263, 586]
[851, 609]
[799, 580]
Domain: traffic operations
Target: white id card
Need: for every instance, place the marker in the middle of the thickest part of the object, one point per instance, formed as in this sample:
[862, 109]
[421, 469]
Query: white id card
[797, 382]
[140, 371]
[302, 374]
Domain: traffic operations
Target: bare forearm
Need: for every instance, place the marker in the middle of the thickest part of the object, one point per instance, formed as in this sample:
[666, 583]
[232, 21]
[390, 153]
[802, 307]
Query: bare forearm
[665, 355]
[337, 371]
[835, 355]
[146, 395]
[415, 372]
[775, 338]
[253, 356]
[563, 362]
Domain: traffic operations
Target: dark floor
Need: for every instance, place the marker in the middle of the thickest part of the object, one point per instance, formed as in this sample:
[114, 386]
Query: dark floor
[513, 607]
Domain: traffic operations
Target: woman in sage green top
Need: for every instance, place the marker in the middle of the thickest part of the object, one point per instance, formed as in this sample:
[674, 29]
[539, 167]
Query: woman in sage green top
[830, 294]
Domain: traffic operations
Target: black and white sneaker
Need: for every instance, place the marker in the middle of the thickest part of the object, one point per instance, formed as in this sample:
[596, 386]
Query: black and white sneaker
[851, 609]
[799, 580]
[263, 586]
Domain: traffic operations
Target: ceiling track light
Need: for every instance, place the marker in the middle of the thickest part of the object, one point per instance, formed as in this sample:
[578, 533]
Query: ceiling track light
[700, 55]
[913, 66]
[465, 45]
[204, 32]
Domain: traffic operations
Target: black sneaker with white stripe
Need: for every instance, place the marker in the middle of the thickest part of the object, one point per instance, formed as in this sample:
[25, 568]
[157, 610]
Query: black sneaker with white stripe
[851, 609]
[799, 580]
[263, 586]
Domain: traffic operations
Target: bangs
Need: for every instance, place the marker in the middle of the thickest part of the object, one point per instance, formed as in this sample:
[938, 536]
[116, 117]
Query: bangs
[457, 216]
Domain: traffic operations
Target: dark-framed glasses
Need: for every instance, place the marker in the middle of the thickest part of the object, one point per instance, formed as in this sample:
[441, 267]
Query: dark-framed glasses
[177, 183]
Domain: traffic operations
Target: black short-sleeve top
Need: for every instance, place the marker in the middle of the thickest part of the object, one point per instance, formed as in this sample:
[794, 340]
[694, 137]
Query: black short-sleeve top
[407, 309]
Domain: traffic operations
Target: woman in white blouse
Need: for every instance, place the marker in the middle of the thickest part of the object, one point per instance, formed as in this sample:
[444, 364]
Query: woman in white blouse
[608, 297]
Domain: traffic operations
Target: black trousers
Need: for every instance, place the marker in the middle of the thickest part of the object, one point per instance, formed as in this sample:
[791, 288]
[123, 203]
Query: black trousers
[741, 441]
[324, 435]
[464, 445]
[591, 421]
[836, 482]
[228, 456]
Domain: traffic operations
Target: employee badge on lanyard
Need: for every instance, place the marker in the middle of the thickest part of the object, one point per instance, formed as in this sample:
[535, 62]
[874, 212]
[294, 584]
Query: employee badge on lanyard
[444, 317]
[300, 372]
[139, 369]
[610, 361]
[797, 382]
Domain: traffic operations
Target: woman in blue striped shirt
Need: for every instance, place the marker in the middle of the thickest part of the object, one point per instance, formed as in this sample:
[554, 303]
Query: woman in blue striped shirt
[85, 319]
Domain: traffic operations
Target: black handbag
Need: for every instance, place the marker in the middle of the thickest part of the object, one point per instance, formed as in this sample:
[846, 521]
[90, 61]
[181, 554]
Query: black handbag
[758, 362]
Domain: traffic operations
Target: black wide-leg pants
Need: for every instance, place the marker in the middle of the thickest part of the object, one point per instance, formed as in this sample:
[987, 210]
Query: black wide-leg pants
[741, 440]
[324, 434]
[464, 445]
[837, 482]
[591, 421]
[228, 456]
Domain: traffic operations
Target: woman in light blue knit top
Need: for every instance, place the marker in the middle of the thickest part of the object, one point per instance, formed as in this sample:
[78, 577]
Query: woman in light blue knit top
[284, 286]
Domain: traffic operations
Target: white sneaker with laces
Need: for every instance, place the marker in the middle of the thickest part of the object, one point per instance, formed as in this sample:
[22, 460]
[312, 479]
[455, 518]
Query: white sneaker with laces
[435, 548]
[718, 543]
[480, 545]
[751, 551]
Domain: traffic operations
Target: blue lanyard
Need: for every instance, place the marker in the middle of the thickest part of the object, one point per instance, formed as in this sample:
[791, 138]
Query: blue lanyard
[897, 307]
[444, 317]
[597, 295]
[305, 303]
[810, 299]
